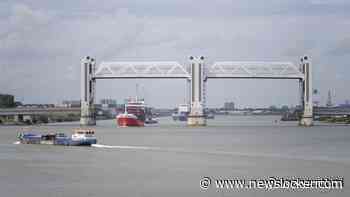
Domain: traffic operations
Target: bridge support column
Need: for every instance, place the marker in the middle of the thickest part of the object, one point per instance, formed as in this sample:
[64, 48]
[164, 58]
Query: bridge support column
[18, 118]
[307, 117]
[88, 115]
[196, 116]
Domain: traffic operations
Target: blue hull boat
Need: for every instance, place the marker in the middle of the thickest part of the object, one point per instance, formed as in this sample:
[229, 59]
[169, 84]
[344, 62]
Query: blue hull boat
[80, 138]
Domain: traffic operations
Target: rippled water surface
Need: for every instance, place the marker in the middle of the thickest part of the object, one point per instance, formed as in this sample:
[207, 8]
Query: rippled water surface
[169, 159]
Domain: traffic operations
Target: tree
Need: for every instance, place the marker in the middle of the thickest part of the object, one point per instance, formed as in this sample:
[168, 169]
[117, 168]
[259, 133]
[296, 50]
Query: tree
[273, 108]
[284, 108]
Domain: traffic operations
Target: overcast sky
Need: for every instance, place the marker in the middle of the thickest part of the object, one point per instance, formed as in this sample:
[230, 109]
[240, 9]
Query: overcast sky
[42, 42]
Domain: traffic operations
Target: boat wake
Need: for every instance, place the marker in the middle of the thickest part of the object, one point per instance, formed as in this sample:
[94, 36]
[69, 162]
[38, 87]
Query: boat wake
[240, 154]
[125, 147]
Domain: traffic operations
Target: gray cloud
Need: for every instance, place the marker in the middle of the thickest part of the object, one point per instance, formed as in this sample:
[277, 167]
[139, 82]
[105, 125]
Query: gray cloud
[341, 48]
[41, 43]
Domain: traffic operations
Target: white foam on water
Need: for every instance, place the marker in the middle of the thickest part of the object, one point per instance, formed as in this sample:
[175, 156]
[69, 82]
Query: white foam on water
[124, 147]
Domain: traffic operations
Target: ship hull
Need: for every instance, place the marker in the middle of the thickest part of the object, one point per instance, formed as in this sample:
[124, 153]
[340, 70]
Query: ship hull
[62, 142]
[180, 117]
[129, 122]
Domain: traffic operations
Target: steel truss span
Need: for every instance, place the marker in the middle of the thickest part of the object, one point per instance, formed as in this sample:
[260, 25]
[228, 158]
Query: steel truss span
[168, 69]
[196, 72]
[268, 70]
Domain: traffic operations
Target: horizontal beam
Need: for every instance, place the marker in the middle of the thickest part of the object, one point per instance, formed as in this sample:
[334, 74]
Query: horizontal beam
[228, 76]
[254, 70]
[249, 77]
[140, 77]
[133, 70]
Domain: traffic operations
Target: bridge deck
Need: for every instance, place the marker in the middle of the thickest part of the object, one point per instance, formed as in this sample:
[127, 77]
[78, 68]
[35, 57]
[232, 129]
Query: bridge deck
[36, 111]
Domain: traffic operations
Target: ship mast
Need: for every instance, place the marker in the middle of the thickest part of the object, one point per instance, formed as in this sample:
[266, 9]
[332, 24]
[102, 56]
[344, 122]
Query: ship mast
[137, 92]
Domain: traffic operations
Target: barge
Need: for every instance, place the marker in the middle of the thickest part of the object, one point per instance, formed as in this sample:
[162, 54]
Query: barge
[80, 137]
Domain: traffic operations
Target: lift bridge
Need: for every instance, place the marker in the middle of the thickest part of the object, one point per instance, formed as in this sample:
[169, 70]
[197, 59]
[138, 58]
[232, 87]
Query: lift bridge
[197, 73]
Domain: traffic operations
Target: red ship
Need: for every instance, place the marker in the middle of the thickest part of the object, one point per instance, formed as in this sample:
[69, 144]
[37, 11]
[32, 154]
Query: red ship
[134, 115]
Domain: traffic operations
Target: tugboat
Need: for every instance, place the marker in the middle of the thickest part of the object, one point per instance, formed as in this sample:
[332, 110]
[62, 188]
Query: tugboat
[81, 137]
[208, 114]
[150, 116]
[182, 112]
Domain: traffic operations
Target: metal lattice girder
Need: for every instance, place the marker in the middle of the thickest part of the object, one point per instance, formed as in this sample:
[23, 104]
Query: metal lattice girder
[273, 70]
[168, 69]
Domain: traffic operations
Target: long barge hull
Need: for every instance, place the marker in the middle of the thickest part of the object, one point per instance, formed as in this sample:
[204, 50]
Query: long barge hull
[62, 142]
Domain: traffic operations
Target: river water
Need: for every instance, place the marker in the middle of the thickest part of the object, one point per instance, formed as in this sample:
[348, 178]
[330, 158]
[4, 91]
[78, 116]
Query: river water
[170, 159]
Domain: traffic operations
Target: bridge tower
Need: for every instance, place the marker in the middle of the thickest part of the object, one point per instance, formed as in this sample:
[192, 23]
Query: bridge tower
[306, 86]
[88, 83]
[196, 116]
